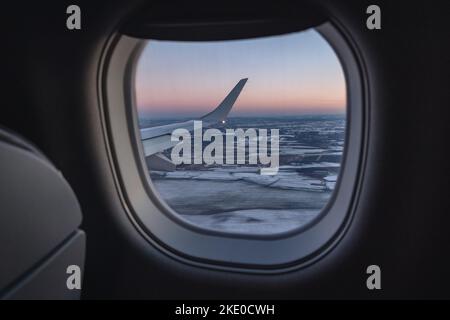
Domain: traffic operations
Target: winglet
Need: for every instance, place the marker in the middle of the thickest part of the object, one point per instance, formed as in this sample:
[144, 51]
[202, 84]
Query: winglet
[221, 112]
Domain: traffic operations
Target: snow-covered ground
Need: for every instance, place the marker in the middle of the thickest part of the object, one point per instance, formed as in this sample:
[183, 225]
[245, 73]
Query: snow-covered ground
[238, 199]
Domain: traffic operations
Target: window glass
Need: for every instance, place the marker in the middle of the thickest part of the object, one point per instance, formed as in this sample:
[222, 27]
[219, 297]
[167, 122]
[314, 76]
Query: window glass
[243, 136]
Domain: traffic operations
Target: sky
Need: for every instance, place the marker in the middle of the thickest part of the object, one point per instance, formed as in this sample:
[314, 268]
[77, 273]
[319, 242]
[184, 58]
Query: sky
[297, 73]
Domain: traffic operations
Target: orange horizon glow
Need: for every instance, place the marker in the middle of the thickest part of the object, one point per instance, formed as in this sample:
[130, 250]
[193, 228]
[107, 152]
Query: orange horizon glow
[249, 101]
[291, 74]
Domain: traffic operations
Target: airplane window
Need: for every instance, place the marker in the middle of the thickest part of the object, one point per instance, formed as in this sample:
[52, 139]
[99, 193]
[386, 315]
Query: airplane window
[243, 136]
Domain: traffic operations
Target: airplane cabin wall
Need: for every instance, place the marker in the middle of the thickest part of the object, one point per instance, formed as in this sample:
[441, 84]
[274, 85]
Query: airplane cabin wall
[402, 218]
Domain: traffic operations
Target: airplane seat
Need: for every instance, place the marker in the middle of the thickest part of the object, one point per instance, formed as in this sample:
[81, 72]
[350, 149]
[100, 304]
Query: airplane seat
[41, 246]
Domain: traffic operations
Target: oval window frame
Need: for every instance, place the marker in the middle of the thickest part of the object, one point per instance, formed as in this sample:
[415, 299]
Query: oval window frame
[190, 243]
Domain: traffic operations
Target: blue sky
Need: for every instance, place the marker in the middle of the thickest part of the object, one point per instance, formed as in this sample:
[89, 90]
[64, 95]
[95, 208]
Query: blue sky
[295, 73]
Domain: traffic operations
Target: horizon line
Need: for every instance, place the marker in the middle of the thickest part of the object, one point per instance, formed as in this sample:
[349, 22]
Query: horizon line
[199, 113]
[166, 116]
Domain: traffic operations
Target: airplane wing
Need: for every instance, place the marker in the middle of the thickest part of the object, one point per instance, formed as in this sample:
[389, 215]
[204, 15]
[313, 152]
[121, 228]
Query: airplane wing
[157, 139]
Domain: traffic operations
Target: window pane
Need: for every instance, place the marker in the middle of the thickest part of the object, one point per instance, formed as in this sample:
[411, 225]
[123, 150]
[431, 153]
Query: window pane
[270, 165]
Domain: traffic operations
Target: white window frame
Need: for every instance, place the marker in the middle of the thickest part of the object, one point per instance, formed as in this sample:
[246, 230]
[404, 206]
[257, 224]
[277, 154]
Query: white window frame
[195, 245]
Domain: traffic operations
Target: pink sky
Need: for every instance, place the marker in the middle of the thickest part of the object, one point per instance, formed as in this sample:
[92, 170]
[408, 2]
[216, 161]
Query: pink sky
[290, 74]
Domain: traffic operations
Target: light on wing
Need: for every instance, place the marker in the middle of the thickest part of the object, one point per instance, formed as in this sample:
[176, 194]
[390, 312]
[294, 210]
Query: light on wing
[158, 139]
